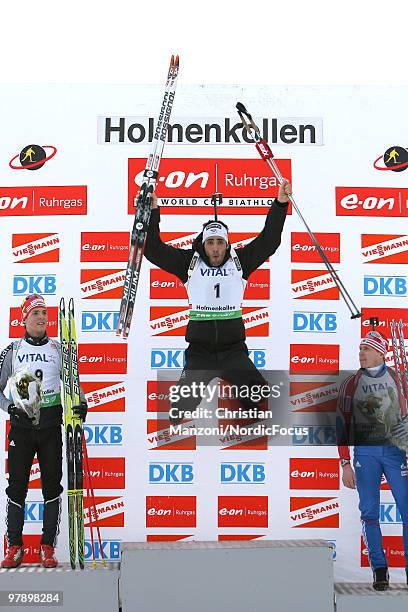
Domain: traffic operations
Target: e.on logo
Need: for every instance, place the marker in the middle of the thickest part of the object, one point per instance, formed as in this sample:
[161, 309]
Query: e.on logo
[183, 182]
[385, 316]
[242, 511]
[314, 359]
[102, 358]
[171, 510]
[303, 250]
[371, 202]
[104, 246]
[314, 473]
[17, 329]
[35, 248]
[393, 548]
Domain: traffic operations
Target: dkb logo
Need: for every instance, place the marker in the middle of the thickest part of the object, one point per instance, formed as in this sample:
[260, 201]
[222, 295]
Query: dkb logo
[394, 286]
[171, 473]
[24, 284]
[315, 322]
[249, 473]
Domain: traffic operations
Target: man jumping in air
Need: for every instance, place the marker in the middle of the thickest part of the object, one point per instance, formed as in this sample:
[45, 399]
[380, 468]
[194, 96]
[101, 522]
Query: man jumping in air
[215, 276]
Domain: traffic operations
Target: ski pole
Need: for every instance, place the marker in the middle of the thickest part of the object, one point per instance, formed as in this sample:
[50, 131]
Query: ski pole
[266, 154]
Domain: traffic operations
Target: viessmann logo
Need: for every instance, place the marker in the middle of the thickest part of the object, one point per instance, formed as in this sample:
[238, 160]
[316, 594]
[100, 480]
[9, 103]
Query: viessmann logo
[160, 438]
[104, 246]
[110, 511]
[102, 358]
[167, 286]
[313, 285]
[107, 472]
[172, 321]
[384, 248]
[314, 512]
[313, 396]
[35, 248]
[314, 473]
[171, 511]
[211, 130]
[16, 328]
[107, 396]
[314, 358]
[37, 201]
[303, 249]
[189, 183]
[242, 511]
[102, 284]
[371, 202]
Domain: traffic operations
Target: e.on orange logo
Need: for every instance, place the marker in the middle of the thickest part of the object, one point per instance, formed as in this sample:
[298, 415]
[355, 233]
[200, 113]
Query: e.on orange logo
[314, 512]
[107, 396]
[102, 358]
[384, 248]
[303, 249]
[102, 284]
[107, 472]
[393, 547]
[35, 248]
[246, 184]
[313, 285]
[385, 316]
[371, 202]
[158, 392]
[171, 510]
[17, 329]
[314, 473]
[167, 286]
[242, 511]
[314, 359]
[50, 200]
[104, 246]
[110, 511]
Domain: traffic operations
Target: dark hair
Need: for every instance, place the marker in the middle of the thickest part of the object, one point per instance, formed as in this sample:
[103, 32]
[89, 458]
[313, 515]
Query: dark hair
[214, 221]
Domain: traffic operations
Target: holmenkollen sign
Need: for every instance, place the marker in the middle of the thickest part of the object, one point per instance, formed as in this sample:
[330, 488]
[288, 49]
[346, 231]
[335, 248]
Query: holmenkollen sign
[211, 130]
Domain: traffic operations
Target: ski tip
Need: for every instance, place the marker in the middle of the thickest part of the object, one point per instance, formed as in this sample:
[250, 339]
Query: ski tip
[62, 304]
[177, 61]
[241, 108]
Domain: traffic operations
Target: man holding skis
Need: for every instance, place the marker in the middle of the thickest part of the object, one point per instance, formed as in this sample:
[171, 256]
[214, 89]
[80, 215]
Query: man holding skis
[369, 417]
[40, 356]
[215, 275]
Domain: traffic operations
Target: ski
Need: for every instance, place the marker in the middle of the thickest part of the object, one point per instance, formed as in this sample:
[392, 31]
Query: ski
[264, 150]
[143, 203]
[73, 433]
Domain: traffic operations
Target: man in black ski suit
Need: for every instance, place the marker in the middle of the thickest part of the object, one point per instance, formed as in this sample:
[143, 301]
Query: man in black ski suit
[41, 357]
[215, 275]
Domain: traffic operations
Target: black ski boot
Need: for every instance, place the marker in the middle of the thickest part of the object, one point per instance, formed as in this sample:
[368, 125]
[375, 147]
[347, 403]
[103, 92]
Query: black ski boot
[381, 579]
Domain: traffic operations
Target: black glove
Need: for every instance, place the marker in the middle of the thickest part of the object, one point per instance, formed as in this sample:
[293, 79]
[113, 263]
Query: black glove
[81, 411]
[18, 413]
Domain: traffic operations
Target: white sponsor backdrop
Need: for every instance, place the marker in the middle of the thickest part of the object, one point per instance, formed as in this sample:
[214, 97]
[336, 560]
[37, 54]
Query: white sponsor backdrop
[354, 127]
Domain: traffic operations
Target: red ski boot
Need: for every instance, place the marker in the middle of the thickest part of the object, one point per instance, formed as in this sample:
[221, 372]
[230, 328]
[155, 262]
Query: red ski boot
[13, 558]
[47, 556]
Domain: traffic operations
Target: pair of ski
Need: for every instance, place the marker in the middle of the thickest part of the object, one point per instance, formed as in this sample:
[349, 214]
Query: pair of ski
[76, 451]
[73, 432]
[143, 203]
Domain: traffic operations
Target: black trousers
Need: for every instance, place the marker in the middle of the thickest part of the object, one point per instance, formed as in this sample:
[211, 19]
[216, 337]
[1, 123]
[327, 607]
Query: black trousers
[231, 364]
[24, 444]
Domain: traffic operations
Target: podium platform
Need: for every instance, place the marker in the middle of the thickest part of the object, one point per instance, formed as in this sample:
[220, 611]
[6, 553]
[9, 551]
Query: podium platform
[260, 576]
[361, 597]
[77, 590]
